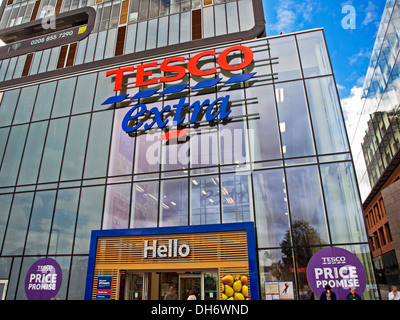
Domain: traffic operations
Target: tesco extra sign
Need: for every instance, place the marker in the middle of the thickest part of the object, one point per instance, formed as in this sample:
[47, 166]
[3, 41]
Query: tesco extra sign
[173, 72]
[142, 70]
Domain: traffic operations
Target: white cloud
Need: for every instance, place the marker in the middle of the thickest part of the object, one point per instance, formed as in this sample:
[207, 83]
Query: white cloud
[292, 14]
[352, 107]
[362, 54]
[370, 14]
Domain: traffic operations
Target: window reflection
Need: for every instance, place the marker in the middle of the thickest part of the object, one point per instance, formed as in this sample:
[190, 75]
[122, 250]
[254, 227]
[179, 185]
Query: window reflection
[271, 207]
[116, 208]
[294, 120]
[205, 200]
[236, 198]
[174, 203]
[326, 116]
[144, 204]
[288, 66]
[314, 57]
[342, 203]
[309, 224]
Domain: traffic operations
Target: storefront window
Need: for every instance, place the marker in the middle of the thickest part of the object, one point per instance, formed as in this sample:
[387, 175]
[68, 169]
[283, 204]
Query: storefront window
[274, 265]
[144, 204]
[174, 203]
[205, 201]
[116, 208]
[236, 197]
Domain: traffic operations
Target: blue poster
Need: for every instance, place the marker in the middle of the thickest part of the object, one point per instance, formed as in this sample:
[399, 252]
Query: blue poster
[103, 288]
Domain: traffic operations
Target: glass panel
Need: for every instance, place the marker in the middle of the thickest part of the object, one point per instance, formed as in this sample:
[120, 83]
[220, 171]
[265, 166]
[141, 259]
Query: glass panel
[287, 66]
[5, 204]
[220, 22]
[55, 52]
[204, 203]
[147, 155]
[342, 203]
[272, 213]
[144, 10]
[314, 57]
[162, 40]
[77, 280]
[8, 105]
[33, 153]
[75, 149]
[89, 217]
[91, 46]
[174, 203]
[64, 95]
[115, 14]
[185, 33]
[62, 233]
[83, 100]
[44, 101]
[173, 28]
[236, 197]
[164, 7]
[152, 34]
[134, 11]
[275, 265]
[264, 123]
[18, 223]
[3, 140]
[98, 145]
[309, 225]
[294, 118]
[232, 17]
[144, 204]
[154, 4]
[175, 6]
[246, 14]
[130, 39]
[326, 116]
[13, 155]
[141, 36]
[204, 147]
[104, 89]
[53, 152]
[122, 147]
[25, 105]
[116, 209]
[100, 45]
[208, 22]
[39, 228]
[110, 44]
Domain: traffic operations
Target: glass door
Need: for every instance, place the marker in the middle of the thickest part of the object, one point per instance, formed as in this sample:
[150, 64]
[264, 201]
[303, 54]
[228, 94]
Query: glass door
[136, 286]
[188, 283]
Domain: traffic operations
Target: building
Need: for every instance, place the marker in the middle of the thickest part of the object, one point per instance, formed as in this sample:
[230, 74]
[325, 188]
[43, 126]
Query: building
[140, 158]
[376, 156]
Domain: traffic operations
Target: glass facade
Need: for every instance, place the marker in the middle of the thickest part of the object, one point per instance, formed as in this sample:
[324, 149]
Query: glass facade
[376, 140]
[281, 160]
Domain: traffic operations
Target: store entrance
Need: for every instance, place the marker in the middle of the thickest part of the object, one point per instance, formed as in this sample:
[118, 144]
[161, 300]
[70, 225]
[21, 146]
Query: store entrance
[156, 285]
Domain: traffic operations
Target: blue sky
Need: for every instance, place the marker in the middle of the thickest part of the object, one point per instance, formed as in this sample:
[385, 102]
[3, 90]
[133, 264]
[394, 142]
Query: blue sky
[350, 49]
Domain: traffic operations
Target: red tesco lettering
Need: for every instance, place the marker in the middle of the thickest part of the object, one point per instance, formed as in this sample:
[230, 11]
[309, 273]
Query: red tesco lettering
[179, 71]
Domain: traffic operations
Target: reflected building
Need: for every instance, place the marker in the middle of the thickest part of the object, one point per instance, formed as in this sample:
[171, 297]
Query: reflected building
[375, 146]
[177, 126]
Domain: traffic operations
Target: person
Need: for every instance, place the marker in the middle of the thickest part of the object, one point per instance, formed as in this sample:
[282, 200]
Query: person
[394, 294]
[171, 295]
[353, 295]
[328, 294]
[191, 295]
